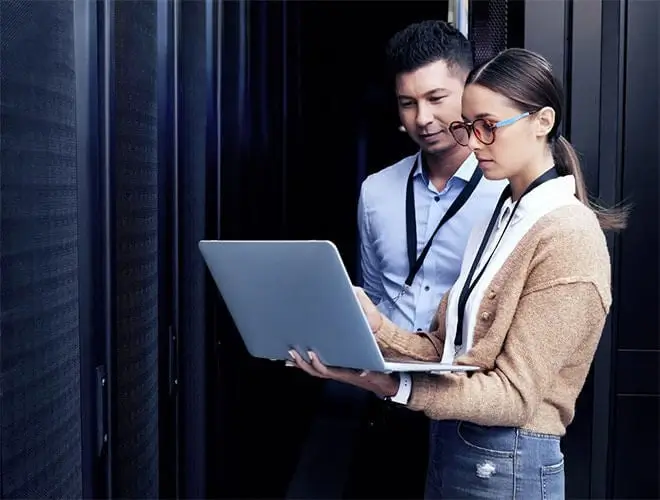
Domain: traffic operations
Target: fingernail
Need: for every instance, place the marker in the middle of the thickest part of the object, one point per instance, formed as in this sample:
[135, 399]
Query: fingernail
[292, 354]
[310, 354]
[289, 363]
[364, 373]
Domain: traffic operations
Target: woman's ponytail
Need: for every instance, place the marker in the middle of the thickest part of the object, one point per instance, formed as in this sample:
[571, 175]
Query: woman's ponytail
[568, 163]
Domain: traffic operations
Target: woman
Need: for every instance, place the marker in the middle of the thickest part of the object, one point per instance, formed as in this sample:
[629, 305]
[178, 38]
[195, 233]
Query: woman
[528, 307]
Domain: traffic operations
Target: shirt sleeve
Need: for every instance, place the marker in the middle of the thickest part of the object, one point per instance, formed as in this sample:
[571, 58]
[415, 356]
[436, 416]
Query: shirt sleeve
[369, 263]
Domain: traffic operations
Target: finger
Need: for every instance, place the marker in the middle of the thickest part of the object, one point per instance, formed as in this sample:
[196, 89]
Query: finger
[361, 294]
[317, 365]
[362, 297]
[297, 359]
[340, 374]
[304, 365]
[364, 300]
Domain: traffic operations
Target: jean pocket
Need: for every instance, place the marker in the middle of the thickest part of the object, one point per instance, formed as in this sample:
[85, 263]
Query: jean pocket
[552, 481]
[498, 442]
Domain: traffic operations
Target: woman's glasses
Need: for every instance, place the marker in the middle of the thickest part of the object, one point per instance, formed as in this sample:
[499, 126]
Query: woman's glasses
[484, 131]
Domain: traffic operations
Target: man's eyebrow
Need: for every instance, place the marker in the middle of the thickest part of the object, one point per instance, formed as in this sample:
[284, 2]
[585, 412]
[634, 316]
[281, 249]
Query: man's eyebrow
[432, 91]
[439, 89]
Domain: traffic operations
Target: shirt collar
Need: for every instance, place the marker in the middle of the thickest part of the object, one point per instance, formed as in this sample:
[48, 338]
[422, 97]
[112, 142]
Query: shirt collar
[464, 172]
[505, 213]
[538, 198]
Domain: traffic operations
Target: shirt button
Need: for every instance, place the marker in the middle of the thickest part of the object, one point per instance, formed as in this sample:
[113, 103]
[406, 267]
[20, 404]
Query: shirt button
[419, 329]
[427, 288]
[436, 198]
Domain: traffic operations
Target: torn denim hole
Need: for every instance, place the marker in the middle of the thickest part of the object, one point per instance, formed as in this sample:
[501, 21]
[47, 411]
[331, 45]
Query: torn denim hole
[485, 469]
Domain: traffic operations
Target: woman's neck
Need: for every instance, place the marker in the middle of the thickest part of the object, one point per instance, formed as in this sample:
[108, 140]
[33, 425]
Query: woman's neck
[520, 182]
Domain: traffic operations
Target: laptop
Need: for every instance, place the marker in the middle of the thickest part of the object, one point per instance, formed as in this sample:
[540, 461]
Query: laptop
[286, 295]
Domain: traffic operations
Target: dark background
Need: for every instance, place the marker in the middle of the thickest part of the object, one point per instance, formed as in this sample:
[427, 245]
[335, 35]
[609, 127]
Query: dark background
[129, 130]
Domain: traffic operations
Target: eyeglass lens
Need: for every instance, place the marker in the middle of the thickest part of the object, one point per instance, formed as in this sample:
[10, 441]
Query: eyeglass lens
[482, 130]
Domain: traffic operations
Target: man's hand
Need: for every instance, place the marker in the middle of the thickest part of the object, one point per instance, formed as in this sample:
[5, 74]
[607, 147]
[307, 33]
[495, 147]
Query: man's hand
[381, 384]
[374, 316]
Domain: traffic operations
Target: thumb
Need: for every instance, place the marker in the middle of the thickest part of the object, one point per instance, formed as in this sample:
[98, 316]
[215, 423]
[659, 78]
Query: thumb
[362, 296]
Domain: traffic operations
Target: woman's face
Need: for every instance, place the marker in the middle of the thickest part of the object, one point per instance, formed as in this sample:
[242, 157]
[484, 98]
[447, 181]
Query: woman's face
[516, 142]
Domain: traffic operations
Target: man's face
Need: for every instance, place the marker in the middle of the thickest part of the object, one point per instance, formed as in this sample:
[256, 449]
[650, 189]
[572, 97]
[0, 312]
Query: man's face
[429, 99]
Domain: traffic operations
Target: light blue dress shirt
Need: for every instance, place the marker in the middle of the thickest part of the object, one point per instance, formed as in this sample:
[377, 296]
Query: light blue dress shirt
[383, 247]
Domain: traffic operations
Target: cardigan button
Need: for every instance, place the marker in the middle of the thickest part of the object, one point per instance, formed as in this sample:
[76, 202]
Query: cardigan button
[492, 295]
[485, 316]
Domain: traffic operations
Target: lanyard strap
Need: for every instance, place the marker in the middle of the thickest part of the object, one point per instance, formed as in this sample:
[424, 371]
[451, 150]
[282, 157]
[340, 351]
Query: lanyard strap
[469, 285]
[415, 262]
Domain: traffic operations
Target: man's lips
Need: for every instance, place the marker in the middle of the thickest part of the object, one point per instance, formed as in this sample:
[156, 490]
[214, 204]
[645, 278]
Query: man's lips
[431, 136]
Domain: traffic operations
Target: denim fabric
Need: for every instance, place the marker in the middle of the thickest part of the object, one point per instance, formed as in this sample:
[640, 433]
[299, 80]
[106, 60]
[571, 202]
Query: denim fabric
[471, 461]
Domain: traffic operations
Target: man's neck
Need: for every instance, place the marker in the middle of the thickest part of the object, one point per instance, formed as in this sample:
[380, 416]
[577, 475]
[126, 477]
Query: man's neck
[441, 166]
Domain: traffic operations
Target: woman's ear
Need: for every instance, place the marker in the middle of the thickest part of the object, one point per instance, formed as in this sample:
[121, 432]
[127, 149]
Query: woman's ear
[545, 121]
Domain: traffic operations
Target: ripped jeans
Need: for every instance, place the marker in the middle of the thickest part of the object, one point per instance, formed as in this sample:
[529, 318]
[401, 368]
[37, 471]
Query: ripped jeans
[467, 460]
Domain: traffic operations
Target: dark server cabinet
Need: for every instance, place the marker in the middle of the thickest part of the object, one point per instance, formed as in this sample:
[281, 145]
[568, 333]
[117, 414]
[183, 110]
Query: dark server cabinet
[158, 122]
[135, 54]
[42, 323]
[198, 43]
[85, 236]
[134, 165]
[635, 427]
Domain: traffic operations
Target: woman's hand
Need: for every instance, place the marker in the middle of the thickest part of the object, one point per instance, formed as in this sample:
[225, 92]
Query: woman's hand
[374, 316]
[381, 384]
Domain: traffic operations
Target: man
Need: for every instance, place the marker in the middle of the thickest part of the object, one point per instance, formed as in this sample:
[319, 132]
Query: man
[399, 210]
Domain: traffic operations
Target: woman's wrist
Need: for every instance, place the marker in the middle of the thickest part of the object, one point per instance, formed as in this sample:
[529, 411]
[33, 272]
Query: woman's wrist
[390, 386]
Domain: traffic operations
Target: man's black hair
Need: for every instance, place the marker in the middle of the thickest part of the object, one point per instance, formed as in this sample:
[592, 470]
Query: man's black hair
[427, 42]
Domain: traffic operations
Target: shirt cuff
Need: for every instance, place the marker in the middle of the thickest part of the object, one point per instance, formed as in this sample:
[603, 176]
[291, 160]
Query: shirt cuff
[405, 387]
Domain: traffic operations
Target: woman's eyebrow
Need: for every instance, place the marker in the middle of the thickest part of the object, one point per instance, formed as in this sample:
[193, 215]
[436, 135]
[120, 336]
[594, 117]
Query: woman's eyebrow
[480, 115]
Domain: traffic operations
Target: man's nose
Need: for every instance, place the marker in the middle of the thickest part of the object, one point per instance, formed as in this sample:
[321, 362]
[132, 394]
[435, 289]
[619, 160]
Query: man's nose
[424, 116]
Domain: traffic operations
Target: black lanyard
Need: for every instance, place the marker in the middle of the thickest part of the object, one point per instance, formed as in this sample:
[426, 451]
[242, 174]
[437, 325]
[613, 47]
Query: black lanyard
[414, 262]
[469, 285]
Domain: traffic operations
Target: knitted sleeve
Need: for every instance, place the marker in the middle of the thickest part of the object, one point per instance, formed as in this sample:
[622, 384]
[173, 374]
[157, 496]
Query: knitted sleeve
[398, 344]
